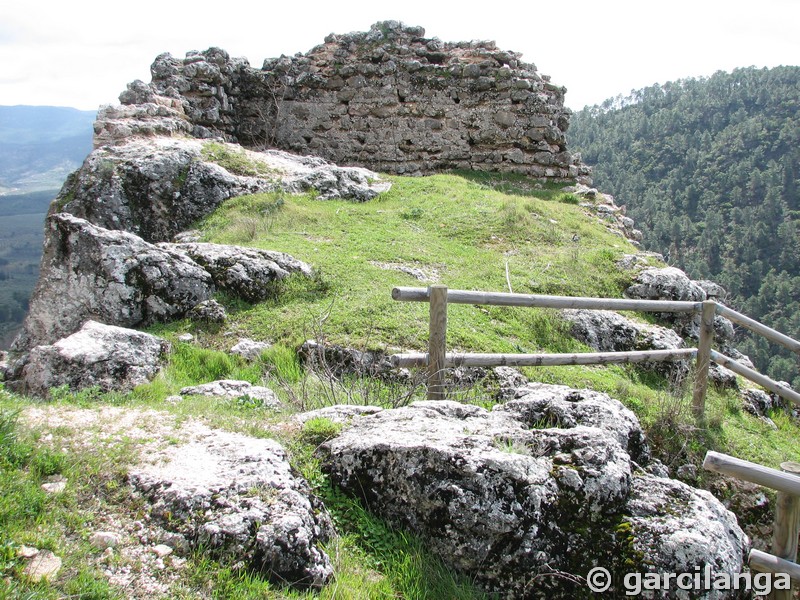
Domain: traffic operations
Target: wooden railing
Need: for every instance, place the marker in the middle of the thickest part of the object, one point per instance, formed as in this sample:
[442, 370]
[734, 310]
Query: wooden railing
[437, 359]
[786, 527]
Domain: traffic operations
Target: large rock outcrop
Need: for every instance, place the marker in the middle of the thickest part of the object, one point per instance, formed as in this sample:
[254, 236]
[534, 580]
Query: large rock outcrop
[608, 331]
[158, 187]
[670, 283]
[245, 272]
[525, 508]
[388, 99]
[89, 272]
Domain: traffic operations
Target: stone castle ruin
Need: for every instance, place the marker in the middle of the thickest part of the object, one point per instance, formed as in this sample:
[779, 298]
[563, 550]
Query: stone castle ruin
[388, 99]
[522, 499]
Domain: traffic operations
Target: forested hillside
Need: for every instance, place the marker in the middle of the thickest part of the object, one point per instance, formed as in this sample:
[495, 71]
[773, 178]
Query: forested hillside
[709, 168]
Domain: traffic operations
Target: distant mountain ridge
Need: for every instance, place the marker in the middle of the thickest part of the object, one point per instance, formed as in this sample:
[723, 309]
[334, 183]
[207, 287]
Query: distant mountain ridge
[41, 145]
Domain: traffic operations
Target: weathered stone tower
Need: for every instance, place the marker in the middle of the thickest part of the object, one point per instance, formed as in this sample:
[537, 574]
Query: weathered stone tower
[389, 99]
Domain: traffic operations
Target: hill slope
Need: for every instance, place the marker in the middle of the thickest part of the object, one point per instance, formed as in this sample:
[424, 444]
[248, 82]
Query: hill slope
[457, 229]
[709, 170]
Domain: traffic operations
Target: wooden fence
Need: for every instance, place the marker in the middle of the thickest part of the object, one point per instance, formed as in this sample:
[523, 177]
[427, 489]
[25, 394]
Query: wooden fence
[437, 359]
[786, 527]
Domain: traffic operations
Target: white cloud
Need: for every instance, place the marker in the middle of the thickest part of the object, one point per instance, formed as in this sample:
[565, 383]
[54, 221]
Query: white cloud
[83, 53]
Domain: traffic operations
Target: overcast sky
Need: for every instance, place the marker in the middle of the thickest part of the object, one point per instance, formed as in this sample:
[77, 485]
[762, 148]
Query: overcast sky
[82, 53]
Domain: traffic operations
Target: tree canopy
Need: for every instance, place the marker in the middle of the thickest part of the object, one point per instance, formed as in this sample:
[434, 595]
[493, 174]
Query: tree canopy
[708, 168]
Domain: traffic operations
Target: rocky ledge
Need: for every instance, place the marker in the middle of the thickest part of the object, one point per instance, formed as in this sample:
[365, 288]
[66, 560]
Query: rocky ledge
[158, 187]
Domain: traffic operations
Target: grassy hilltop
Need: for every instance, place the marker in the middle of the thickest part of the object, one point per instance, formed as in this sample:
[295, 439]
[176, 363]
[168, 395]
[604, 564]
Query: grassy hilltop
[468, 231]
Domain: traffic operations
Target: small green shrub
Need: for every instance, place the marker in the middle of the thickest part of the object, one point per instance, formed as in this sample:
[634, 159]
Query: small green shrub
[319, 430]
[413, 213]
[235, 161]
[569, 199]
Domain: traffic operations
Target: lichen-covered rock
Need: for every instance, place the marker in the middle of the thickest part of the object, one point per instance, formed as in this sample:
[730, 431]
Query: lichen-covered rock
[233, 388]
[758, 402]
[521, 507]
[479, 487]
[105, 356]
[675, 528]
[158, 187]
[668, 283]
[540, 405]
[306, 173]
[342, 414]
[388, 99]
[249, 273]
[208, 311]
[89, 272]
[238, 498]
[608, 331]
[508, 380]
[602, 330]
[154, 188]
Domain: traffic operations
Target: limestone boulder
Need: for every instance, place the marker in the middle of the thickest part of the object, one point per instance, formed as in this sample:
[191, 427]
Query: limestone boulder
[234, 389]
[670, 283]
[608, 331]
[239, 499]
[208, 311]
[249, 273]
[540, 405]
[249, 349]
[525, 507]
[341, 414]
[602, 330]
[675, 528]
[105, 356]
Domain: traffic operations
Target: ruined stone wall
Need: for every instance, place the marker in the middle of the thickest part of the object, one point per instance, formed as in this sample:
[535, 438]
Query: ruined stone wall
[388, 99]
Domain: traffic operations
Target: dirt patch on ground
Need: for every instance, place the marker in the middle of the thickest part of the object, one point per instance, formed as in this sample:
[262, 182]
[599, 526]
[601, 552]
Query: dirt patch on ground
[143, 560]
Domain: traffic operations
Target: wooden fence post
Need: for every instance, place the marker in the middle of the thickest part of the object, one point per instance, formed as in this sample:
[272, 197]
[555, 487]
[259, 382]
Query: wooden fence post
[437, 342]
[786, 527]
[703, 359]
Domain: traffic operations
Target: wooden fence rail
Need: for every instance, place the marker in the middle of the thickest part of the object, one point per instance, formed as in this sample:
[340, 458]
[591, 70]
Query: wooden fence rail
[786, 527]
[437, 359]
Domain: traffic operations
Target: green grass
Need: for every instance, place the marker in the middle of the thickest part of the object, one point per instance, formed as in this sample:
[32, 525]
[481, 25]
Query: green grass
[466, 233]
[30, 516]
[467, 230]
